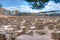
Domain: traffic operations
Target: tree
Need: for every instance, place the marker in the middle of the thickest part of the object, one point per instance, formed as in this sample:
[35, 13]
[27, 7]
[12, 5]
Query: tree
[39, 4]
[56, 1]
[16, 12]
[0, 5]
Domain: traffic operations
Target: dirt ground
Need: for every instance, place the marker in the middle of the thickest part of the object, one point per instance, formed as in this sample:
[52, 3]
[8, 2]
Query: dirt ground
[47, 36]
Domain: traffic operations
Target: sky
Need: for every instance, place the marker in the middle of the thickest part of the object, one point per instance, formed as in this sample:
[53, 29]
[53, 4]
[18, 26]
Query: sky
[24, 7]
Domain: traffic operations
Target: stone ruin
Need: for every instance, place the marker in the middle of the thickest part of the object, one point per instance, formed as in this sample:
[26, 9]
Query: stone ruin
[31, 25]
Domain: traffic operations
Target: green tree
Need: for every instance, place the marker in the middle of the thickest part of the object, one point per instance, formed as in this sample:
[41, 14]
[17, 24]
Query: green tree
[37, 4]
[56, 1]
[0, 5]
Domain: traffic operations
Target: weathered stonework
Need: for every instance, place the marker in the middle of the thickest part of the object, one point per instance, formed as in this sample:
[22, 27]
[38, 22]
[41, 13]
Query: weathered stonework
[33, 24]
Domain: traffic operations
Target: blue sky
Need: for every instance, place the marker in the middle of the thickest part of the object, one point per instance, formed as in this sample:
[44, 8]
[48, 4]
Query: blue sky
[7, 3]
[24, 7]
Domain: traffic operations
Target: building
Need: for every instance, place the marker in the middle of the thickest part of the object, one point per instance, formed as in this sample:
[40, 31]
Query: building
[5, 12]
[2, 11]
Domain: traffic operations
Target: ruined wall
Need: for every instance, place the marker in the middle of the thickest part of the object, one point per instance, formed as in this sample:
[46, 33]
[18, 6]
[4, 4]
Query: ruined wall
[31, 21]
[41, 25]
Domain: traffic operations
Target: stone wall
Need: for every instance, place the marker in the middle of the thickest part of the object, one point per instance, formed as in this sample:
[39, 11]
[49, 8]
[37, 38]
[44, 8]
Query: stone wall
[30, 25]
[31, 21]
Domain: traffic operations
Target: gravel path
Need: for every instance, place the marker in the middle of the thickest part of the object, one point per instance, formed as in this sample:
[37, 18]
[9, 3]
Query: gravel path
[35, 37]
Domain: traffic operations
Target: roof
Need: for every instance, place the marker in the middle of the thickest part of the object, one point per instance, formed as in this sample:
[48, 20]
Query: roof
[50, 11]
[2, 9]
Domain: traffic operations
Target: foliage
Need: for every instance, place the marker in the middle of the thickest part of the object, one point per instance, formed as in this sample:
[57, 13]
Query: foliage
[39, 4]
[56, 1]
[0, 5]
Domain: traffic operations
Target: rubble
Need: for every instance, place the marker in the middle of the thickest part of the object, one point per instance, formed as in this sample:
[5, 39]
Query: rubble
[29, 25]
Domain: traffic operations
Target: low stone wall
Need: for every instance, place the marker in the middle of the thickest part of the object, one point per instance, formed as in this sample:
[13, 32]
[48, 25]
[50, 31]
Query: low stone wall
[26, 22]
[38, 21]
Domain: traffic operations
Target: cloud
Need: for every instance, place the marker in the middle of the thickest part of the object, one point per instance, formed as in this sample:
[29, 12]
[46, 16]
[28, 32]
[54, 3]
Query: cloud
[52, 6]
[22, 8]
[10, 8]
[25, 8]
[28, 9]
